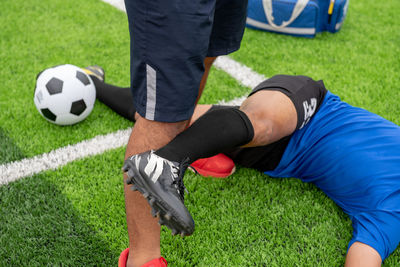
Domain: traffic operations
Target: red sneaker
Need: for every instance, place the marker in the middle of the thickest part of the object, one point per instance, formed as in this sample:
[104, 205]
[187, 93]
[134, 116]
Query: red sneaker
[123, 257]
[160, 262]
[220, 166]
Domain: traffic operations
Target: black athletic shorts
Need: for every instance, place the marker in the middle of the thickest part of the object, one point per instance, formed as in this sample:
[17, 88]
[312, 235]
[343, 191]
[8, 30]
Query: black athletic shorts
[169, 42]
[306, 95]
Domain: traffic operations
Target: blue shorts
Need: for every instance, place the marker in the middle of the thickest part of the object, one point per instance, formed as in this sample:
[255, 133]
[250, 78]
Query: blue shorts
[354, 157]
[169, 42]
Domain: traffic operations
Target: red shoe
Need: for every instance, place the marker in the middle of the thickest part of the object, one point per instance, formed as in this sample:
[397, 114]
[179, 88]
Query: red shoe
[220, 166]
[160, 262]
[123, 257]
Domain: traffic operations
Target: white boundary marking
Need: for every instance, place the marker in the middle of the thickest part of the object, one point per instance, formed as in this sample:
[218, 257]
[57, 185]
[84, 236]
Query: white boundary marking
[119, 4]
[244, 75]
[13, 171]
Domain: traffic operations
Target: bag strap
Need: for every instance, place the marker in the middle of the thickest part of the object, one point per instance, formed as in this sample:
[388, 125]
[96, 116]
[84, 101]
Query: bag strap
[298, 8]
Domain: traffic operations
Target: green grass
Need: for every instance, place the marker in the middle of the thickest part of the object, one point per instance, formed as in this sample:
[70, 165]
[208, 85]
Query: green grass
[75, 215]
[40, 34]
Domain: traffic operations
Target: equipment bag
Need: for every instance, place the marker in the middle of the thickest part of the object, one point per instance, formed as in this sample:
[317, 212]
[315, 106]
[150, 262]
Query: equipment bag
[297, 17]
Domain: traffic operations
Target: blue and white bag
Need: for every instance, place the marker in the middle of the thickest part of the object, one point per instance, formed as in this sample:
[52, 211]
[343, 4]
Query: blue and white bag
[297, 17]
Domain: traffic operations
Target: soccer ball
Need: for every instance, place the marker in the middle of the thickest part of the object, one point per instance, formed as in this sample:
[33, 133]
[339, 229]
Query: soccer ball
[64, 94]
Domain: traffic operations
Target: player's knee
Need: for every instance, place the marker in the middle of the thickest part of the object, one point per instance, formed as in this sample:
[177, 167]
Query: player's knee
[262, 123]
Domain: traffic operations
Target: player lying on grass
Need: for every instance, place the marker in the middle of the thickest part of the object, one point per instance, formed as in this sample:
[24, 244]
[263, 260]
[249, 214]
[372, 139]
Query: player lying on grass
[290, 126]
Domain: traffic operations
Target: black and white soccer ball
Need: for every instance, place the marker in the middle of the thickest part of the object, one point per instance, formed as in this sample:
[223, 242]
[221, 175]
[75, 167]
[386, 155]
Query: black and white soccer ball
[64, 94]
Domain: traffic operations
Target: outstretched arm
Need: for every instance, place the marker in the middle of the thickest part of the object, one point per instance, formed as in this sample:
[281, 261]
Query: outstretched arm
[362, 255]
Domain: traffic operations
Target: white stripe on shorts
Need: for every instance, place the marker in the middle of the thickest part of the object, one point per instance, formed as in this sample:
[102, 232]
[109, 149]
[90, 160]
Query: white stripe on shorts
[151, 77]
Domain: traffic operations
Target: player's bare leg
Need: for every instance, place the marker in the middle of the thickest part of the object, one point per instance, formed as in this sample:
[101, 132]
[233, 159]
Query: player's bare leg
[272, 115]
[263, 118]
[362, 255]
[208, 61]
[199, 111]
[143, 229]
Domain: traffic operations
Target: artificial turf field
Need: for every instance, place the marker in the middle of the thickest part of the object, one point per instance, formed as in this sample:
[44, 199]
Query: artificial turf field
[74, 216]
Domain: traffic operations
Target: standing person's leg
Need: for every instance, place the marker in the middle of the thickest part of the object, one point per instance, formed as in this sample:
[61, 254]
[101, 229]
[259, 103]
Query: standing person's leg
[167, 53]
[143, 229]
[168, 46]
[207, 66]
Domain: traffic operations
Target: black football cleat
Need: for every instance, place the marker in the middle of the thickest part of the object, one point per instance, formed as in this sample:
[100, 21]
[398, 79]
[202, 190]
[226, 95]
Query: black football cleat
[160, 181]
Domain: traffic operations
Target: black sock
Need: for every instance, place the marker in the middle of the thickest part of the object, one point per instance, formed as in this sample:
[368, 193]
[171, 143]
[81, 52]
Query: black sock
[118, 99]
[211, 134]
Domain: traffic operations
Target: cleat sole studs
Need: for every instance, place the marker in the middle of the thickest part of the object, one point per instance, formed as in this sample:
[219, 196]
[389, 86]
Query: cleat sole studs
[154, 213]
[152, 201]
[174, 232]
[130, 174]
[183, 234]
[146, 195]
[168, 216]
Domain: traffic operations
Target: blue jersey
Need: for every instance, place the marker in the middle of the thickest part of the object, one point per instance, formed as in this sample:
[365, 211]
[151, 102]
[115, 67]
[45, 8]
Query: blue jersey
[354, 157]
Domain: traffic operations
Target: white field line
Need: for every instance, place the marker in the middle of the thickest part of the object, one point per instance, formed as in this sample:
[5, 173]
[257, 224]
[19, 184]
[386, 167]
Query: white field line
[119, 4]
[26, 167]
[55, 159]
[244, 75]
[13, 171]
